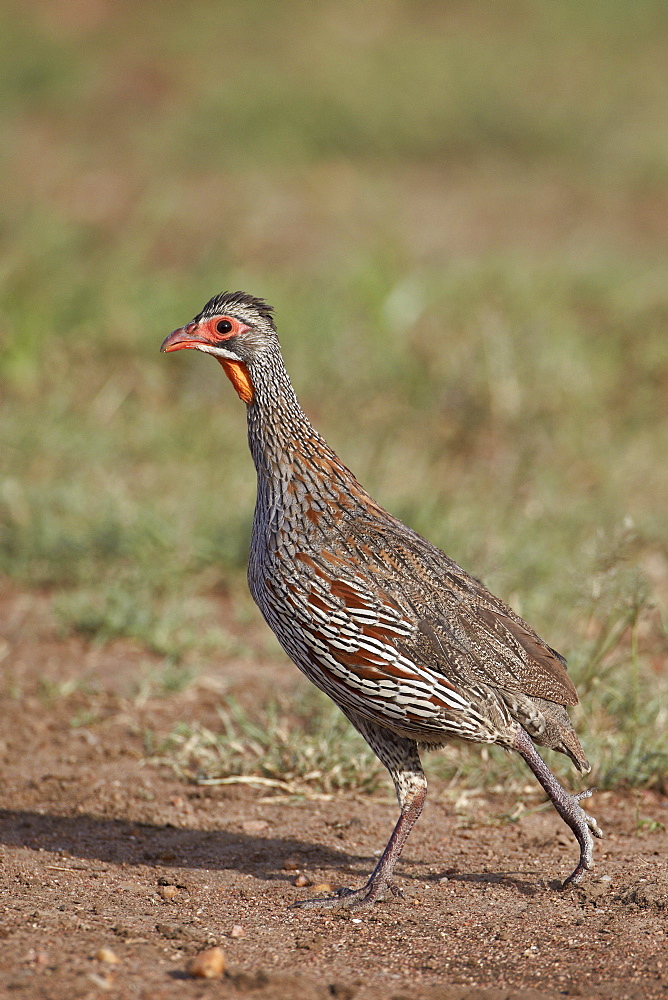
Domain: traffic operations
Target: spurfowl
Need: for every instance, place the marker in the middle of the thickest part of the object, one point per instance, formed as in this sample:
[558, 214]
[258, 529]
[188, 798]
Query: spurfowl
[412, 649]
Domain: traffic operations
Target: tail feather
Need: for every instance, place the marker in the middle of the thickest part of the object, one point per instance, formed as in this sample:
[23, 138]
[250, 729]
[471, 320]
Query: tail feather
[570, 745]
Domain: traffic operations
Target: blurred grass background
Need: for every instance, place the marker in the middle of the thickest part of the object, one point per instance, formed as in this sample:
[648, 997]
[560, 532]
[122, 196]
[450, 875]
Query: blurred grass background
[460, 213]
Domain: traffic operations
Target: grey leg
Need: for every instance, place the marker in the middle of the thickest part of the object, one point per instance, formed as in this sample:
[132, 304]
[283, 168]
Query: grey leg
[400, 756]
[567, 805]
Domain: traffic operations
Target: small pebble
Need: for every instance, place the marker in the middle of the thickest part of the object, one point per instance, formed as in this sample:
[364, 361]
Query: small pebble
[167, 892]
[209, 964]
[237, 931]
[107, 955]
[324, 887]
[302, 880]
[291, 865]
[105, 982]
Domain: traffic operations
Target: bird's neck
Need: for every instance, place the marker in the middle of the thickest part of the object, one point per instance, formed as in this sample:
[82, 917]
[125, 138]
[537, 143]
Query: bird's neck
[279, 432]
[295, 465]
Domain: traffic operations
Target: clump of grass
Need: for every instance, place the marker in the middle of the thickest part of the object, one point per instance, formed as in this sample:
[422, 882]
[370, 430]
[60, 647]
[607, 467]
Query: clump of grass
[621, 680]
[169, 679]
[304, 749]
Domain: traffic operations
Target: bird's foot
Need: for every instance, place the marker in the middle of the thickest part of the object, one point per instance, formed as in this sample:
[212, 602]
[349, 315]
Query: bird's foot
[567, 805]
[357, 899]
[583, 825]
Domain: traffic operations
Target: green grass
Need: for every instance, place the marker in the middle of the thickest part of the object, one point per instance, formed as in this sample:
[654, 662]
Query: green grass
[305, 747]
[457, 211]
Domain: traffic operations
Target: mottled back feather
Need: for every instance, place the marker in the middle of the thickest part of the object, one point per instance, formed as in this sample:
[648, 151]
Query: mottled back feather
[463, 618]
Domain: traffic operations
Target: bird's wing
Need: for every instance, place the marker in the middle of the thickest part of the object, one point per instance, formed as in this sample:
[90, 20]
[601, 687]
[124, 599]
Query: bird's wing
[462, 629]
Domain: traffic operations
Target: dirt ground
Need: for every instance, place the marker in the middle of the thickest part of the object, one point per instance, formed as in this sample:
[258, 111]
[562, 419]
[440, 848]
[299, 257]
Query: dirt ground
[114, 872]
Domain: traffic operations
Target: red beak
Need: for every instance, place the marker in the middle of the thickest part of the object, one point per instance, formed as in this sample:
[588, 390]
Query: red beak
[183, 337]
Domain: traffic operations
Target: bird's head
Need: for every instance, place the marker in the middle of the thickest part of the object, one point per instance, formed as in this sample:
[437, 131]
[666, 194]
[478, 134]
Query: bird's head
[236, 329]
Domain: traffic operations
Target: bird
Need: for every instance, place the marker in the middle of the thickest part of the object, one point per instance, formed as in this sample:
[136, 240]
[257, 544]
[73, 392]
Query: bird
[413, 650]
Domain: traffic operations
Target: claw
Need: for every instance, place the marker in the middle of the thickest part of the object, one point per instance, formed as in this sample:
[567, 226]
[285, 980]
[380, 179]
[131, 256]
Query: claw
[568, 806]
[353, 898]
[591, 821]
[583, 826]
[593, 826]
[577, 875]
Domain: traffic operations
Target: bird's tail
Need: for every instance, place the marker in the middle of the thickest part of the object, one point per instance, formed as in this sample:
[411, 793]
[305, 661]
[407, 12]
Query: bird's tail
[570, 745]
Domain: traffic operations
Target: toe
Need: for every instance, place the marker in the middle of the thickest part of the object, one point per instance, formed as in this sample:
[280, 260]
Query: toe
[594, 827]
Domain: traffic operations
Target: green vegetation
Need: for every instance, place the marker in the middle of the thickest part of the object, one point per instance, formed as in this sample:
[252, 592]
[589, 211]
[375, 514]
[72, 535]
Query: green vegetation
[458, 211]
[303, 748]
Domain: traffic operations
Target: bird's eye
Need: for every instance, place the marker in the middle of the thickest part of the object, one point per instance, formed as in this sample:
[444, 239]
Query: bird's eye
[223, 326]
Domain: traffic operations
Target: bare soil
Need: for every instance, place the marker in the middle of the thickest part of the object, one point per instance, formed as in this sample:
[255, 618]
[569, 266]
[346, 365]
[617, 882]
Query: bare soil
[100, 850]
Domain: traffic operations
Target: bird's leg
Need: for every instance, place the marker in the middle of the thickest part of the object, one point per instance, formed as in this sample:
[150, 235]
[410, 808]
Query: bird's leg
[400, 756]
[567, 805]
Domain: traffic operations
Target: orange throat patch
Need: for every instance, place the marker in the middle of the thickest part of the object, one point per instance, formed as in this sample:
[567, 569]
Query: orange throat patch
[238, 375]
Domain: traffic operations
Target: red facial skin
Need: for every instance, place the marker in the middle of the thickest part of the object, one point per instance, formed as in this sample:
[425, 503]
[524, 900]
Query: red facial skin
[194, 334]
[205, 334]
